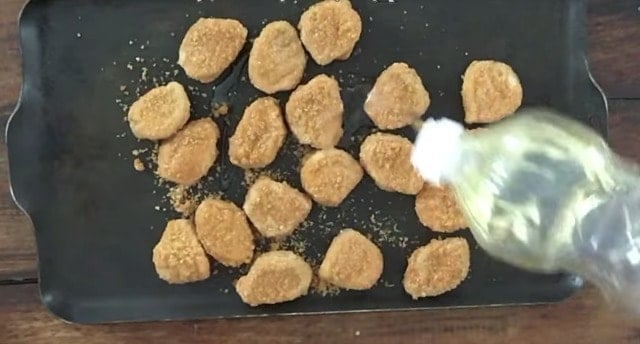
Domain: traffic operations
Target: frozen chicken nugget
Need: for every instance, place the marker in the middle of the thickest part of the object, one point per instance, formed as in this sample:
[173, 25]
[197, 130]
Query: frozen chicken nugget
[277, 59]
[275, 277]
[329, 30]
[387, 159]
[210, 46]
[159, 113]
[437, 209]
[259, 135]
[187, 156]
[274, 208]
[437, 268]
[314, 112]
[329, 176]
[352, 262]
[491, 90]
[224, 232]
[398, 98]
[178, 256]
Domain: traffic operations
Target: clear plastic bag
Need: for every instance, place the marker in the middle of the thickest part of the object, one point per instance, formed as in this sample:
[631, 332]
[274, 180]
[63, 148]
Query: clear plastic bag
[544, 193]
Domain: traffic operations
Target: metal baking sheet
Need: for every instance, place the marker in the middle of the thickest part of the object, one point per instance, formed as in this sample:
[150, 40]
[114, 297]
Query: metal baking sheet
[94, 217]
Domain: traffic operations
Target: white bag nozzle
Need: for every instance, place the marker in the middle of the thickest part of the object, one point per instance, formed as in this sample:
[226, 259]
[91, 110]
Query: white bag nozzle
[437, 149]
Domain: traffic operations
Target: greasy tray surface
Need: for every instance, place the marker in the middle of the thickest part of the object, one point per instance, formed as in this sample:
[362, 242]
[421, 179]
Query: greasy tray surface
[94, 215]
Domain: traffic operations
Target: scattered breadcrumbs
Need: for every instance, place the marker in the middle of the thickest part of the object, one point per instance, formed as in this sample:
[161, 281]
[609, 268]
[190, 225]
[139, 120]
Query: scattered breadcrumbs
[250, 176]
[182, 200]
[137, 152]
[322, 287]
[301, 151]
[384, 230]
[138, 165]
[220, 109]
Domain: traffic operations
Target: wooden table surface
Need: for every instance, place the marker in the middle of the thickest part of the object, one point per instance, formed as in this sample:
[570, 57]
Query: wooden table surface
[614, 53]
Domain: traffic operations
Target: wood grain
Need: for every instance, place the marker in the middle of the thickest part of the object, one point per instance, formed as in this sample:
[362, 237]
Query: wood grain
[17, 246]
[10, 68]
[581, 319]
[614, 36]
[624, 128]
[614, 46]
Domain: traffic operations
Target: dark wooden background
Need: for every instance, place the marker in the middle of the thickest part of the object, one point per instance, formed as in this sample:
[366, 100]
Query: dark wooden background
[614, 52]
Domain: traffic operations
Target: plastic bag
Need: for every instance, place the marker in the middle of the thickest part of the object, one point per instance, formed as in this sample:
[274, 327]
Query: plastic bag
[544, 193]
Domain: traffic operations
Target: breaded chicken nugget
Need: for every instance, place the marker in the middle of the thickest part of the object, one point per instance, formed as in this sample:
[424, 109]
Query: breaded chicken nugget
[437, 209]
[277, 59]
[178, 256]
[329, 30]
[274, 208]
[259, 135]
[210, 46]
[437, 268]
[314, 112]
[159, 113]
[224, 232]
[352, 262]
[187, 156]
[398, 98]
[275, 277]
[491, 90]
[329, 176]
[387, 159]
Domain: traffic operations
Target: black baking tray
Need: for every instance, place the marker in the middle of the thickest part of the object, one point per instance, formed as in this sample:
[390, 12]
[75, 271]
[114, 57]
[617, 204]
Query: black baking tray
[94, 217]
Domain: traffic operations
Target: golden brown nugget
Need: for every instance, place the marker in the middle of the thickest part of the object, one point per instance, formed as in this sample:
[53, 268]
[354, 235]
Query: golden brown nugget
[178, 256]
[277, 59]
[491, 90]
[314, 112]
[352, 262]
[259, 135]
[438, 209]
[398, 98]
[275, 277]
[210, 46]
[437, 268]
[329, 175]
[187, 156]
[329, 30]
[224, 232]
[159, 113]
[274, 208]
[387, 159]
